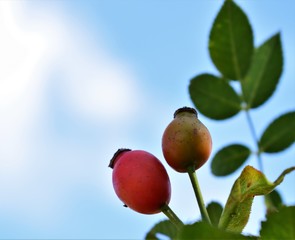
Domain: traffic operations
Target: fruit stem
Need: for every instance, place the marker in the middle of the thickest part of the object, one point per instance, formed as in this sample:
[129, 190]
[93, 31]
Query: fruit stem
[194, 180]
[172, 216]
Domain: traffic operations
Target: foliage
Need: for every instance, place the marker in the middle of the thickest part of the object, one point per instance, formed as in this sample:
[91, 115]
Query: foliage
[273, 228]
[165, 227]
[249, 184]
[257, 71]
[214, 210]
[202, 230]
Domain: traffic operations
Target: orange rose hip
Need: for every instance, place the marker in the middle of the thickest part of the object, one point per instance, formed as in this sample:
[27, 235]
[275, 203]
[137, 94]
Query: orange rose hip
[186, 142]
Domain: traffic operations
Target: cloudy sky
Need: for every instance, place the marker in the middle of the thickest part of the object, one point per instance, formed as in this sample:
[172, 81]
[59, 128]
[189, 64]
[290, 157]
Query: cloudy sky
[80, 79]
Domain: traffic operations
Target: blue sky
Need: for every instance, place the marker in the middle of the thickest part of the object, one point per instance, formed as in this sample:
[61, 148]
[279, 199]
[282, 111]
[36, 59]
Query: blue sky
[80, 79]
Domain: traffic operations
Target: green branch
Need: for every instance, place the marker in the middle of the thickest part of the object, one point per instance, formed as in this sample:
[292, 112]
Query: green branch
[253, 132]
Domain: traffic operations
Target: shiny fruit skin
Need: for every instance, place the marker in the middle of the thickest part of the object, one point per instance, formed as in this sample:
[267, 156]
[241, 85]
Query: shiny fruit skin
[186, 142]
[140, 181]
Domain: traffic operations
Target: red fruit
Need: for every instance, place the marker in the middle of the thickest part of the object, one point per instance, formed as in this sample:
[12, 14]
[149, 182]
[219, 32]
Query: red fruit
[186, 142]
[140, 181]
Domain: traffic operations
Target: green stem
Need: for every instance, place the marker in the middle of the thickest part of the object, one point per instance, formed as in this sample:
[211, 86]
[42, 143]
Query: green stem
[194, 180]
[172, 216]
[252, 130]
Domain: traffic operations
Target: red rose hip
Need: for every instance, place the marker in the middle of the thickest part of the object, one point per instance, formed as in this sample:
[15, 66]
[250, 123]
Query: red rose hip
[186, 142]
[140, 181]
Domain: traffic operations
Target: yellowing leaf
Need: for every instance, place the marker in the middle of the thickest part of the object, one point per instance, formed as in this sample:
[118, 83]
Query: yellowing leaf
[250, 183]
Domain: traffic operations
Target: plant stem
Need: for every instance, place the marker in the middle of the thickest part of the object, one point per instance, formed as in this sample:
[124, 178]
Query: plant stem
[194, 180]
[172, 216]
[252, 130]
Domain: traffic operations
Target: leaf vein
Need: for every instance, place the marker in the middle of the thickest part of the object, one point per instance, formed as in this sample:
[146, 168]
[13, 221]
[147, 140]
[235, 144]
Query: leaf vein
[224, 100]
[257, 84]
[233, 45]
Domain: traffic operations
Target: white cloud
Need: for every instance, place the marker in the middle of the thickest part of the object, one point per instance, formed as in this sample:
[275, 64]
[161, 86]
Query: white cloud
[20, 57]
[95, 85]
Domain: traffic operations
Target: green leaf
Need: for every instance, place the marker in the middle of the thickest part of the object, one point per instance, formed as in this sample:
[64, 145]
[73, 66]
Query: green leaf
[231, 41]
[250, 183]
[229, 159]
[279, 135]
[273, 201]
[279, 225]
[264, 73]
[165, 227]
[214, 97]
[202, 230]
[214, 210]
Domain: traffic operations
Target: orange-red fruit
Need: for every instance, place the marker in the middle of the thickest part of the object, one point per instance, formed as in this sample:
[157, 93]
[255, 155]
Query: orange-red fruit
[140, 181]
[186, 141]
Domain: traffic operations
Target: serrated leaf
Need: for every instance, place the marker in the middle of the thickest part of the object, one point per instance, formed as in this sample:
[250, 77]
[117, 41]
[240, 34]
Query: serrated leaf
[250, 183]
[202, 230]
[264, 73]
[279, 135]
[165, 227]
[229, 159]
[279, 225]
[214, 210]
[214, 97]
[273, 201]
[231, 41]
